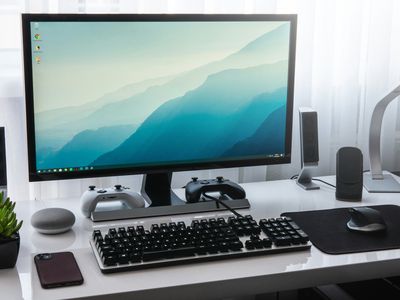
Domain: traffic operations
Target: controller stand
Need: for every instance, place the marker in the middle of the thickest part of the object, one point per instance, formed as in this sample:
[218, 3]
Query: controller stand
[156, 189]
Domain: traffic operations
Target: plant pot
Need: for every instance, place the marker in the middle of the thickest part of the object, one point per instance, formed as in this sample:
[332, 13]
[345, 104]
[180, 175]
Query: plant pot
[9, 249]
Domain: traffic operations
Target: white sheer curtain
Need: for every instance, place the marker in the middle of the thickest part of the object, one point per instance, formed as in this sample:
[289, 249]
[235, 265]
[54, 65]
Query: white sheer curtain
[347, 59]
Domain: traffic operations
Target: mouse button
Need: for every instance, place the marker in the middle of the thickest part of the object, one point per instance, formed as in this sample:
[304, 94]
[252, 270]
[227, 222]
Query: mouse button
[357, 218]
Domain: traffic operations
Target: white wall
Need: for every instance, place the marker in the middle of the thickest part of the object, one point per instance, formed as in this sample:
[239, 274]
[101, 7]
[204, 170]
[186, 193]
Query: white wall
[347, 59]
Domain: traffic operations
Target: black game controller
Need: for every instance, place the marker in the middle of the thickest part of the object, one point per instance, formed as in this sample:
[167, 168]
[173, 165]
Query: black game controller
[196, 187]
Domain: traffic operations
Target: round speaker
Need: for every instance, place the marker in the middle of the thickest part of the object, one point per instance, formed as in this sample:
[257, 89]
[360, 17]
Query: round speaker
[53, 220]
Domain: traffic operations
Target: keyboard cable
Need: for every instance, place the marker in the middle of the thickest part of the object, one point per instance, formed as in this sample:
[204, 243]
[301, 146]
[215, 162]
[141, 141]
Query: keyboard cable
[205, 195]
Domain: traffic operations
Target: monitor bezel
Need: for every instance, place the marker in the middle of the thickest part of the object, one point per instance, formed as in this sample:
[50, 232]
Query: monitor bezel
[29, 98]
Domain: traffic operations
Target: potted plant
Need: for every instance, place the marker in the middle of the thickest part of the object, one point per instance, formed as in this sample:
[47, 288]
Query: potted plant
[9, 236]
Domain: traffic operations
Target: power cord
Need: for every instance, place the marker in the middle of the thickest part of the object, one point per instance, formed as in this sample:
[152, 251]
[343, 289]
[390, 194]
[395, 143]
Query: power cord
[314, 179]
[223, 204]
[320, 180]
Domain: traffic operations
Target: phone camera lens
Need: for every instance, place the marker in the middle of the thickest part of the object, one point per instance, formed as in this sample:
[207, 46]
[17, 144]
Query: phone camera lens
[45, 256]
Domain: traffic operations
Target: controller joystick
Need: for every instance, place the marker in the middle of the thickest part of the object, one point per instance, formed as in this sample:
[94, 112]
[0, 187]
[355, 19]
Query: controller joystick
[93, 196]
[194, 189]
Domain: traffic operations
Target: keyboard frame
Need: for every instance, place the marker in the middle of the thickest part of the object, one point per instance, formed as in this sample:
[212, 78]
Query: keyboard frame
[197, 258]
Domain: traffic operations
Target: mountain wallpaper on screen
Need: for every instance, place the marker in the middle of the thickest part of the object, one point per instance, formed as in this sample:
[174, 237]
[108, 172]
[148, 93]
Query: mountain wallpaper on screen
[225, 108]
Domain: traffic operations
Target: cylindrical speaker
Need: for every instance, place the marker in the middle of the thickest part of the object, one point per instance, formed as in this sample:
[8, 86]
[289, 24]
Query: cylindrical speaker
[349, 174]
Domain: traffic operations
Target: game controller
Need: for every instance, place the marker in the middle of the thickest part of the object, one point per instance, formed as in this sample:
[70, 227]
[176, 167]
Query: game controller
[196, 187]
[93, 196]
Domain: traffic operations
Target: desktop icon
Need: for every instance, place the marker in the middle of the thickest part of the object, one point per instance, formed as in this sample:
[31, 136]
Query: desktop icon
[37, 36]
[38, 59]
[37, 47]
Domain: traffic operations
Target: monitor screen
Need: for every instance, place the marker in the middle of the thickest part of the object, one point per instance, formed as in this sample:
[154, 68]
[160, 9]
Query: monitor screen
[126, 94]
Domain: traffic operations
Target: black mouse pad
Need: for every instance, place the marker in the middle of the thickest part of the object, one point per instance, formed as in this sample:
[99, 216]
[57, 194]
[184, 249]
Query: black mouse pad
[328, 231]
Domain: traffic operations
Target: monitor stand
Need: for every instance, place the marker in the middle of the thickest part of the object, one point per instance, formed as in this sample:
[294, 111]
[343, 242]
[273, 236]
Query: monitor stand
[156, 189]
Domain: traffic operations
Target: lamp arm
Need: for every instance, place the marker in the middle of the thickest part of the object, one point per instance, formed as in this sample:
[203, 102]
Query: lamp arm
[375, 133]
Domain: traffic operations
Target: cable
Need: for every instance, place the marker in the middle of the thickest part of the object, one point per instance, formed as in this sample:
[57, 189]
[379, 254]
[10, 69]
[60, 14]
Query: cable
[316, 179]
[223, 204]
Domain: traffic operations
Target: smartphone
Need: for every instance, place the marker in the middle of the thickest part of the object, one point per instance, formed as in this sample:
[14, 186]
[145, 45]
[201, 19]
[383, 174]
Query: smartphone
[57, 269]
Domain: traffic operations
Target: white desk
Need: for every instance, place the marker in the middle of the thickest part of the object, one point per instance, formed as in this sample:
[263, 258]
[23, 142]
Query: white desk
[208, 280]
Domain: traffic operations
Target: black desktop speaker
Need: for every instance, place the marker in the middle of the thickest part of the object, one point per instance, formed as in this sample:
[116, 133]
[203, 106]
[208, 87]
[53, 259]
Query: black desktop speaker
[308, 147]
[349, 174]
[309, 136]
[3, 169]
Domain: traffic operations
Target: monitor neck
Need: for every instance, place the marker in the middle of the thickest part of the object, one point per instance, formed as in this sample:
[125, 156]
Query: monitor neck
[157, 189]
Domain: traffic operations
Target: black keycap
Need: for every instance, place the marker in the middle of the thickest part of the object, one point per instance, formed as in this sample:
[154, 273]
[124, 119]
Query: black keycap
[169, 253]
[96, 233]
[135, 257]
[282, 241]
[123, 258]
[303, 235]
[267, 243]
[258, 244]
[223, 247]
[105, 250]
[296, 239]
[249, 245]
[110, 260]
[194, 223]
[236, 245]
[294, 225]
[100, 244]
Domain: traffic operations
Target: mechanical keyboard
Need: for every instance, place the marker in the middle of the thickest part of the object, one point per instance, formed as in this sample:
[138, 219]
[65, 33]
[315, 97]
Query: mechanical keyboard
[137, 247]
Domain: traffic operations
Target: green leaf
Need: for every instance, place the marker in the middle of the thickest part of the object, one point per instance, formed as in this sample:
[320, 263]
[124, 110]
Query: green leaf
[18, 227]
[12, 224]
[9, 224]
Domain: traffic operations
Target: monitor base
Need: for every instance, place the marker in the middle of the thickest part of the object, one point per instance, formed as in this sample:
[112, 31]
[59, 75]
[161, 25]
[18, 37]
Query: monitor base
[386, 185]
[308, 186]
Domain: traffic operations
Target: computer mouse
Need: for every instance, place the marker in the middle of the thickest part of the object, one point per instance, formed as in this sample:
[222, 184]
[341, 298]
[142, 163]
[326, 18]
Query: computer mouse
[365, 219]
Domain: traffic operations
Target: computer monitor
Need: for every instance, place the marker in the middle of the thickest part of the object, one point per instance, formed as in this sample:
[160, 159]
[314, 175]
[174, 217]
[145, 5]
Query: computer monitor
[153, 94]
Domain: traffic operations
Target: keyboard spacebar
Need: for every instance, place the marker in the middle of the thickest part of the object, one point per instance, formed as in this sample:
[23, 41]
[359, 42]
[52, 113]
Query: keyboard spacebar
[169, 253]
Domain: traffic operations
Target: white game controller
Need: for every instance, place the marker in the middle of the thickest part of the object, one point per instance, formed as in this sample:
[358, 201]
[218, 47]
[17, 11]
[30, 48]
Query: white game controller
[93, 196]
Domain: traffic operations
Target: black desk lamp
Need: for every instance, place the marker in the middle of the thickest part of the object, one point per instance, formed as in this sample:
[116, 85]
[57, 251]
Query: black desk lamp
[375, 181]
